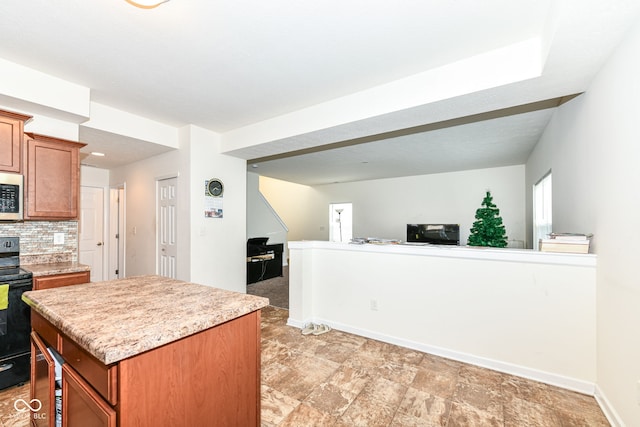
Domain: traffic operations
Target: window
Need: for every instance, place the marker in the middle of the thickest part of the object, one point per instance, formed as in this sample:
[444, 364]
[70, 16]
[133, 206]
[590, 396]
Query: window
[541, 210]
[340, 222]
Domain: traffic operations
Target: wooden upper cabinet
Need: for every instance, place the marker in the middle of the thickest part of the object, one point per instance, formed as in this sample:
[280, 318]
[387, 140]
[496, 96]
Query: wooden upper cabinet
[11, 130]
[52, 177]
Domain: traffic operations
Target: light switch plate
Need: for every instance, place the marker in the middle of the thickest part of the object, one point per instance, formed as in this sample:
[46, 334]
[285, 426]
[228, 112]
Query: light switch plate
[58, 238]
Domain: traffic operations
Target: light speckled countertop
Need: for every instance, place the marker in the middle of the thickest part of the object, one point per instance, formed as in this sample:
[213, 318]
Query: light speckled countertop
[48, 269]
[118, 319]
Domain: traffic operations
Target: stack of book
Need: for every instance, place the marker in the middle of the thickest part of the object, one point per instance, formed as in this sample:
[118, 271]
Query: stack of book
[566, 242]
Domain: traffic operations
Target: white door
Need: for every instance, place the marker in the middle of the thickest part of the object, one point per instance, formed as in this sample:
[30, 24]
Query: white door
[91, 234]
[167, 223]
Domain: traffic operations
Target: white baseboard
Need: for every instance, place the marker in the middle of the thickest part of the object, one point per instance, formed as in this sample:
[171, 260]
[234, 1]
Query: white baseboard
[609, 412]
[296, 323]
[572, 384]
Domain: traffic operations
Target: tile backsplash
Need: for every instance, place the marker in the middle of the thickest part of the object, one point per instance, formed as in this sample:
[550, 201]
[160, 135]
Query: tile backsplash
[37, 240]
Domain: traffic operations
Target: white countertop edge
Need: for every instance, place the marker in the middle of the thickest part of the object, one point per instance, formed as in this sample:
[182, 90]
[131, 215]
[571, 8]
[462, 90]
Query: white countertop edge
[489, 254]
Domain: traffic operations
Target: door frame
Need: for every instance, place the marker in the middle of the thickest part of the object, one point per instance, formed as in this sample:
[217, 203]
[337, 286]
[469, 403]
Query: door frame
[117, 227]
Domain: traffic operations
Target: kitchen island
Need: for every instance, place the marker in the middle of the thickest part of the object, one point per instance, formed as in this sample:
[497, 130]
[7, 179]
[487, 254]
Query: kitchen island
[147, 351]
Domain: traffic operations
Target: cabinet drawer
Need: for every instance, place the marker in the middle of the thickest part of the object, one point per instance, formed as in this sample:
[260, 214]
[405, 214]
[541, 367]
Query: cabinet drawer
[102, 378]
[58, 280]
[47, 332]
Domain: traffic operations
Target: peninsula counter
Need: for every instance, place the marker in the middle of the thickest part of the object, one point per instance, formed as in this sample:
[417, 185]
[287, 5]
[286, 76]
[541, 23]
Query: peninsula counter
[522, 312]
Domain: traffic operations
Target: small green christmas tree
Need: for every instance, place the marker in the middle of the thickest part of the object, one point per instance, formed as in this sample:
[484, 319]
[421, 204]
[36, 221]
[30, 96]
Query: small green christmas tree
[488, 230]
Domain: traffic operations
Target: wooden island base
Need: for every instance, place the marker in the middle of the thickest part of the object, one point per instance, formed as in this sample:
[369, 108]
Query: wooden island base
[211, 378]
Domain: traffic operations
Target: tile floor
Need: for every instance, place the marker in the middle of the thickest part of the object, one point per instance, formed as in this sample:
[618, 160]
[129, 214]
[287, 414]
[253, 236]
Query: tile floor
[339, 379]
[9, 416]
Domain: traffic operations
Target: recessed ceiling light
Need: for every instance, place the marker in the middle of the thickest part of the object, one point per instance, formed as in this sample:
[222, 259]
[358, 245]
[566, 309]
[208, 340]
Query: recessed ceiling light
[146, 4]
[254, 166]
[97, 154]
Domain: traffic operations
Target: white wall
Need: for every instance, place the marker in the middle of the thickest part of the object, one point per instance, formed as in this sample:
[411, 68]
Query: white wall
[292, 202]
[211, 251]
[94, 177]
[139, 179]
[373, 109]
[112, 121]
[526, 313]
[383, 207]
[28, 89]
[218, 245]
[592, 146]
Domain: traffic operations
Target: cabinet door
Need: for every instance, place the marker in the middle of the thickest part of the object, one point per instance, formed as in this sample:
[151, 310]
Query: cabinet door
[81, 405]
[42, 383]
[52, 178]
[11, 128]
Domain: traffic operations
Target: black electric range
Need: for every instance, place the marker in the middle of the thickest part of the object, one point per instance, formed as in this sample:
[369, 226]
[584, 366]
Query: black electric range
[15, 315]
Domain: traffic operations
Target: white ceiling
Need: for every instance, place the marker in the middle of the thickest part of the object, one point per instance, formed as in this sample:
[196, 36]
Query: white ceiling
[224, 65]
[489, 143]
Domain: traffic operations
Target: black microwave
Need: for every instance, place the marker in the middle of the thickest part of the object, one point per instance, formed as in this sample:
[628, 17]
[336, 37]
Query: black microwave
[11, 197]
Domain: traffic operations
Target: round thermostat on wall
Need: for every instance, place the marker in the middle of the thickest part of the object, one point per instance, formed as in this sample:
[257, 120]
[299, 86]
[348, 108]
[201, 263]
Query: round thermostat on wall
[215, 187]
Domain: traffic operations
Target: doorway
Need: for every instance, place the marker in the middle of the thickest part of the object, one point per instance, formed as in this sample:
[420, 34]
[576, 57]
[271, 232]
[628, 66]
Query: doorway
[91, 233]
[340, 222]
[167, 200]
[542, 218]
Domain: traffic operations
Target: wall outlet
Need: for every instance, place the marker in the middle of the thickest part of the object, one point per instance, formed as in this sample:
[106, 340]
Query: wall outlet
[58, 238]
[374, 304]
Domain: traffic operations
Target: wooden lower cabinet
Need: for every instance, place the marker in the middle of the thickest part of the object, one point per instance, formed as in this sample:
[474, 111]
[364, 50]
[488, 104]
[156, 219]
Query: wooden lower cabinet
[81, 405]
[42, 383]
[211, 378]
[58, 280]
